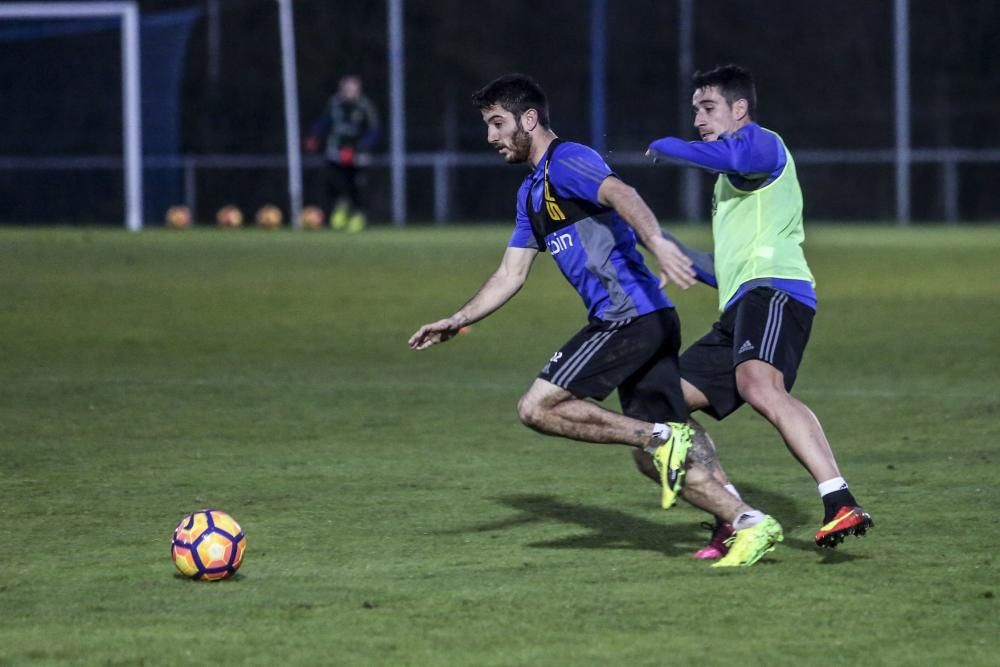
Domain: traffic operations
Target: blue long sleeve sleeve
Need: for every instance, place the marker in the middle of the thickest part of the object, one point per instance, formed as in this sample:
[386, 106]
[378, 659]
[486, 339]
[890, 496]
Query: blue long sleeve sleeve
[751, 153]
[704, 262]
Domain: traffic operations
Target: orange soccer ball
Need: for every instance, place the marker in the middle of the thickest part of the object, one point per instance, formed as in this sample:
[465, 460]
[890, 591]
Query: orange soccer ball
[208, 545]
[268, 217]
[178, 217]
[311, 217]
[229, 216]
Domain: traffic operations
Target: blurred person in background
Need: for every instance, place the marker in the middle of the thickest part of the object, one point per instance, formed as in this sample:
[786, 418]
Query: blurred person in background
[350, 126]
[767, 295]
[572, 205]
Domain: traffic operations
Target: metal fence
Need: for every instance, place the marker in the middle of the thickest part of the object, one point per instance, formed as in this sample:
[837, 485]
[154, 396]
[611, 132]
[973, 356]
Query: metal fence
[881, 104]
[440, 205]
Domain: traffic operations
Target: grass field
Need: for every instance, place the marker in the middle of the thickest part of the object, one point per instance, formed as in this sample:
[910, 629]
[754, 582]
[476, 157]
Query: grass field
[397, 513]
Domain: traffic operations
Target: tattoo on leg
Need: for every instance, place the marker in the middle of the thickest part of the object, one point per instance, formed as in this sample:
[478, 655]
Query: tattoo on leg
[703, 450]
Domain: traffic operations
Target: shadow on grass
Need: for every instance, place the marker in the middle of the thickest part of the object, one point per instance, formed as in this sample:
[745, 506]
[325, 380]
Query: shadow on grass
[233, 578]
[614, 529]
[609, 528]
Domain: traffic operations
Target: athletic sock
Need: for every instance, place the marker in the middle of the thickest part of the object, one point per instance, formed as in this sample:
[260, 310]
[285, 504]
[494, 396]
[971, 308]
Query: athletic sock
[719, 521]
[834, 484]
[748, 519]
[835, 495]
[661, 432]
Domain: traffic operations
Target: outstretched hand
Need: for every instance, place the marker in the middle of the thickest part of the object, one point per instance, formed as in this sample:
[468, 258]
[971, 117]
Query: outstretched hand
[675, 266]
[434, 333]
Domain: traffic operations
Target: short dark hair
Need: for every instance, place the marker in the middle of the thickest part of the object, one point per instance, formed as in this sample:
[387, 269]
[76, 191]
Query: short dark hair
[734, 83]
[515, 93]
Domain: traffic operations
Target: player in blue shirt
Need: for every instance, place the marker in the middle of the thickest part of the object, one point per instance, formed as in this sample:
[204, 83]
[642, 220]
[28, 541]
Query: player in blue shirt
[573, 206]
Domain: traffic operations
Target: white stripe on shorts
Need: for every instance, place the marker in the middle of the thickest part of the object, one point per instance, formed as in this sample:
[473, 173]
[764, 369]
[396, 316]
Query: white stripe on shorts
[772, 329]
[585, 353]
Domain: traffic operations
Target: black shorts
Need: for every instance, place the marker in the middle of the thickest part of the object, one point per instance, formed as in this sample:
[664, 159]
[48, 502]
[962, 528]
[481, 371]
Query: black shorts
[637, 356]
[765, 324]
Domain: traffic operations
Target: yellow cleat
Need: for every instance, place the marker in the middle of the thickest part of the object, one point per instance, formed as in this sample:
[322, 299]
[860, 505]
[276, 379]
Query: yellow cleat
[356, 223]
[670, 458]
[749, 545]
[338, 219]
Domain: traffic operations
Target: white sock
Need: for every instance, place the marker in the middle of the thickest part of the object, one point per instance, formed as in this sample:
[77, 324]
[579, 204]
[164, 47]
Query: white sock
[732, 489]
[661, 431]
[748, 519]
[831, 485]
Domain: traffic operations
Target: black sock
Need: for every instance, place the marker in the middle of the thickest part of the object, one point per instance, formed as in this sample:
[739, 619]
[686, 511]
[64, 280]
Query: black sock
[834, 500]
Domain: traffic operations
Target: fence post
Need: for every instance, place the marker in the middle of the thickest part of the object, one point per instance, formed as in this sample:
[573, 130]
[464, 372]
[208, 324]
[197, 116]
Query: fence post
[949, 173]
[689, 178]
[442, 190]
[902, 78]
[397, 62]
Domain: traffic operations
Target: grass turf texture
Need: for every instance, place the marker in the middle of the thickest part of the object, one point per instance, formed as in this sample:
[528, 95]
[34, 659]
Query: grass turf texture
[397, 513]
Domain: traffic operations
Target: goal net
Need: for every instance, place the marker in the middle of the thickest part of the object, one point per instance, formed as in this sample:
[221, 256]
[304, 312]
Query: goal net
[71, 132]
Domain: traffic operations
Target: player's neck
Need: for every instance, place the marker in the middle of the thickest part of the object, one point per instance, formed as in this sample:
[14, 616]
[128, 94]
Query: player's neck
[540, 146]
[740, 124]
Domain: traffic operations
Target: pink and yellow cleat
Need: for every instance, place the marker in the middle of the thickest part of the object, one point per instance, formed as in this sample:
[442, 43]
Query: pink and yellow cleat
[717, 547]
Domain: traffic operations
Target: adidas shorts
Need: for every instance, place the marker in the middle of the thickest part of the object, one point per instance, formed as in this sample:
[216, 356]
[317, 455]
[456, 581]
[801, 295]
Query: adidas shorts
[765, 324]
[636, 356]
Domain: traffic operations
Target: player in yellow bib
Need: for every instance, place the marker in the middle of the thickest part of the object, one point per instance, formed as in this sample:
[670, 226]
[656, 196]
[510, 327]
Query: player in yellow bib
[766, 292]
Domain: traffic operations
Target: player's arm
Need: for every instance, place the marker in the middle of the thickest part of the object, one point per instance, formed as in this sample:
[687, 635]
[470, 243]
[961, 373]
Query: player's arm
[371, 134]
[498, 289]
[703, 262]
[319, 129]
[675, 266]
[749, 153]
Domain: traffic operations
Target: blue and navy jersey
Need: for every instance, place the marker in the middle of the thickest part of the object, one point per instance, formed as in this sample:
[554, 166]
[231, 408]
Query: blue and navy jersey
[558, 211]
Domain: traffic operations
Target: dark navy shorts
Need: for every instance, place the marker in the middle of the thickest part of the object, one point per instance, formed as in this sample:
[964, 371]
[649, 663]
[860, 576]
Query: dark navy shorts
[765, 324]
[637, 356]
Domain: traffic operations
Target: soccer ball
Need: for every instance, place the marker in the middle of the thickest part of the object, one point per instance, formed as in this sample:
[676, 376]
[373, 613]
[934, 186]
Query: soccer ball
[178, 217]
[312, 217]
[208, 545]
[229, 216]
[268, 217]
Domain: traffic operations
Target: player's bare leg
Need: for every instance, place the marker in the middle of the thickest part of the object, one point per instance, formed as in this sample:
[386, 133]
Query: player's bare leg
[762, 386]
[703, 489]
[644, 462]
[704, 448]
[703, 451]
[554, 411]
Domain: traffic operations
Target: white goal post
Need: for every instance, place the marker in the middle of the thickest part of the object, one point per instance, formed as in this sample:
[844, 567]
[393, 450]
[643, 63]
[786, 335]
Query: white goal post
[128, 13]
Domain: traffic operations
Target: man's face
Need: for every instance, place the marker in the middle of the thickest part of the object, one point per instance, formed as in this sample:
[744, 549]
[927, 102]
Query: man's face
[713, 115]
[506, 135]
[350, 88]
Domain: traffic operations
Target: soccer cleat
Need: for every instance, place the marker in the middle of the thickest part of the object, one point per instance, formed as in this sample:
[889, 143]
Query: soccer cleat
[849, 520]
[356, 223]
[717, 547]
[338, 218]
[669, 459]
[749, 545]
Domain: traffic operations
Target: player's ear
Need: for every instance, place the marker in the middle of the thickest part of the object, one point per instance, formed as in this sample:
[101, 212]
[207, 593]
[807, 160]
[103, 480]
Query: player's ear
[529, 119]
[741, 108]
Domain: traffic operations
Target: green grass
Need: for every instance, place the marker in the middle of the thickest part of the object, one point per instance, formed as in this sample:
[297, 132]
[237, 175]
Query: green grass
[397, 513]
